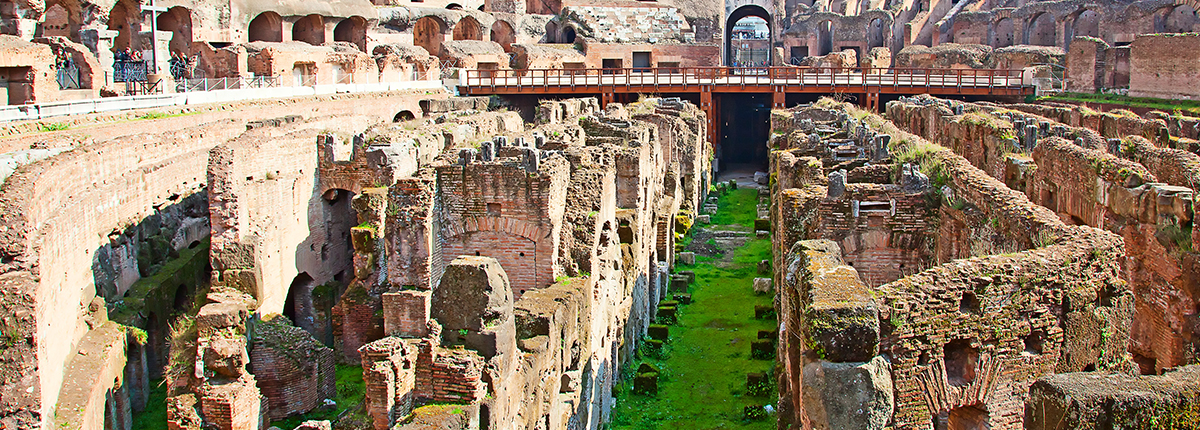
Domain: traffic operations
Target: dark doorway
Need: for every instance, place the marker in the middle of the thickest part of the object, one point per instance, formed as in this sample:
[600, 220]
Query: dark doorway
[641, 61]
[745, 128]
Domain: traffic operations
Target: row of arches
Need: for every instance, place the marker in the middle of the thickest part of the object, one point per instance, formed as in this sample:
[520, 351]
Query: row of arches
[1046, 29]
[430, 32]
[269, 27]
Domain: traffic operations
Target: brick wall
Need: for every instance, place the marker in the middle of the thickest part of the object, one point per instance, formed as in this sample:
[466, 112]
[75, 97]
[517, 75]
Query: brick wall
[881, 245]
[955, 337]
[499, 210]
[1156, 69]
[292, 369]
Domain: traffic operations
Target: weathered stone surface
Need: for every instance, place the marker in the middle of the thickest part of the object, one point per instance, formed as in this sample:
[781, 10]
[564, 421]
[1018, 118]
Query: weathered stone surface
[848, 395]
[762, 285]
[1114, 400]
[474, 295]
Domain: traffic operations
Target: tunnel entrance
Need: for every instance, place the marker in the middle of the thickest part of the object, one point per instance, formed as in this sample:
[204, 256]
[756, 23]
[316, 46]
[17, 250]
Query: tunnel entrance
[745, 123]
[748, 37]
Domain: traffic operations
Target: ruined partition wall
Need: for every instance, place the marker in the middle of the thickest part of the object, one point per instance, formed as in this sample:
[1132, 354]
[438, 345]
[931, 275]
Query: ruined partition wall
[555, 366]
[955, 344]
[1099, 169]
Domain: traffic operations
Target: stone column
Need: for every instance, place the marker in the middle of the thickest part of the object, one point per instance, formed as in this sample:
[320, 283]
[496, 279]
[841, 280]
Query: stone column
[100, 42]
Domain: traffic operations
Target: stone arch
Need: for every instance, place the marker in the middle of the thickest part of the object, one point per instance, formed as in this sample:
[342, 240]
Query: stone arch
[1086, 23]
[266, 27]
[875, 34]
[568, 34]
[1002, 33]
[516, 244]
[352, 30]
[468, 28]
[310, 30]
[126, 19]
[429, 32]
[1178, 19]
[551, 32]
[178, 21]
[1042, 30]
[737, 15]
[302, 281]
[404, 115]
[454, 6]
[503, 33]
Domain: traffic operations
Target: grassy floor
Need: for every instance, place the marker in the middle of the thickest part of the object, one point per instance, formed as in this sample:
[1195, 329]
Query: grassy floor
[350, 392]
[155, 415]
[1188, 107]
[702, 384]
[739, 207]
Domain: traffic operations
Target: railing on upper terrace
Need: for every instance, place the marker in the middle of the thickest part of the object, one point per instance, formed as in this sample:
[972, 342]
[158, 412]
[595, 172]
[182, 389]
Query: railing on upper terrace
[235, 83]
[790, 77]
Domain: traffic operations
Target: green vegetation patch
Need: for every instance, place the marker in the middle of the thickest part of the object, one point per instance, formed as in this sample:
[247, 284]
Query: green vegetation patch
[154, 417]
[737, 207]
[1186, 107]
[703, 368]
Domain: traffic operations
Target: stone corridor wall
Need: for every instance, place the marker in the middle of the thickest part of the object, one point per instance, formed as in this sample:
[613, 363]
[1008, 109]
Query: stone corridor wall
[1107, 176]
[61, 210]
[555, 193]
[961, 348]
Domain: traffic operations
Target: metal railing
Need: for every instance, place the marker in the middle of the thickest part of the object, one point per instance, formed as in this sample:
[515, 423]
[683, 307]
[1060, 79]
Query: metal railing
[129, 71]
[237, 83]
[743, 76]
[68, 75]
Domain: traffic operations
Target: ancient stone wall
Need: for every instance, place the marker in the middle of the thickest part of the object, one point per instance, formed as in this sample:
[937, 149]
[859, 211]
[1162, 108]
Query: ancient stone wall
[1083, 400]
[1155, 68]
[960, 350]
[293, 370]
[551, 356]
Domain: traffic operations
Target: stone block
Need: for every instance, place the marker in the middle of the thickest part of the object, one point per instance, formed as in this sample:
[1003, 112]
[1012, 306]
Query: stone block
[645, 383]
[760, 178]
[757, 383]
[226, 356]
[754, 412]
[214, 316]
[762, 285]
[688, 258]
[764, 267]
[840, 319]
[683, 298]
[475, 297]
[690, 275]
[679, 284]
[762, 349]
[768, 334]
[703, 219]
[855, 396]
[763, 312]
[315, 425]
[1091, 400]
[666, 314]
[658, 332]
[364, 238]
